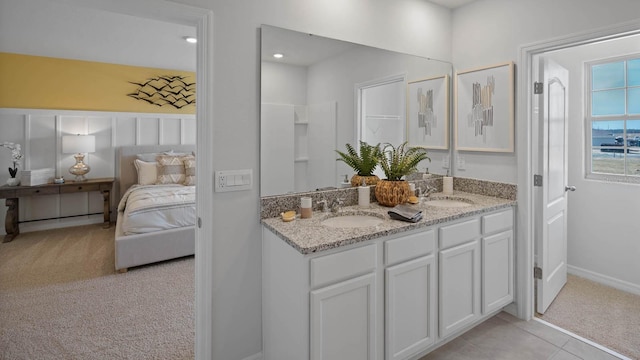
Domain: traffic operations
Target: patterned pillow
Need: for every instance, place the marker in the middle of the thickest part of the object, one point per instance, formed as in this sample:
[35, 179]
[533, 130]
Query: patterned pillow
[170, 169]
[189, 170]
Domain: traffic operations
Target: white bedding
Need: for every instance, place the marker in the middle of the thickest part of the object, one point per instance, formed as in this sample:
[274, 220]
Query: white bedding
[149, 208]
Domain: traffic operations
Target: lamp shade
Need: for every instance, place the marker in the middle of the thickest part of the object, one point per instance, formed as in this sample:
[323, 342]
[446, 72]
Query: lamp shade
[72, 144]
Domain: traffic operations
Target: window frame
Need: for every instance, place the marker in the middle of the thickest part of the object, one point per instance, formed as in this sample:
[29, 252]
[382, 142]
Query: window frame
[589, 118]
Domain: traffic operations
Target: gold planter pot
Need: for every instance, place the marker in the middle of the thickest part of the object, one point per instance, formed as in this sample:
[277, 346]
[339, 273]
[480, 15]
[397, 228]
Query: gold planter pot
[356, 180]
[392, 193]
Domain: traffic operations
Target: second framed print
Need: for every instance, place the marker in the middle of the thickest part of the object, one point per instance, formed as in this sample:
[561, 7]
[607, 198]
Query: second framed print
[484, 103]
[428, 113]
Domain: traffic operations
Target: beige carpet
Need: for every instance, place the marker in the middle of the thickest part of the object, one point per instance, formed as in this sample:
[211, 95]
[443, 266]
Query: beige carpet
[61, 299]
[605, 315]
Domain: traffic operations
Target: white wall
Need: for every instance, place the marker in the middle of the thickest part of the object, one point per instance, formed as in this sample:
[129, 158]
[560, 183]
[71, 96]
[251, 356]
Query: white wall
[602, 216]
[283, 84]
[488, 32]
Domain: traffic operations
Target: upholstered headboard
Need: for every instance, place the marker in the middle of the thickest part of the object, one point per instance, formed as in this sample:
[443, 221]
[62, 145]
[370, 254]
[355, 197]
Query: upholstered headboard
[127, 174]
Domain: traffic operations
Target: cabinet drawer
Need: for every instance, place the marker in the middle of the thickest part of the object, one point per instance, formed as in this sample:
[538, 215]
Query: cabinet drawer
[343, 265]
[409, 247]
[79, 188]
[38, 191]
[459, 233]
[497, 222]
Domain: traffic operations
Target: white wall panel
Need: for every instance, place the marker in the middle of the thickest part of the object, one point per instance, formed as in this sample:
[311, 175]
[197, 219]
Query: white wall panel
[126, 130]
[39, 132]
[170, 131]
[41, 143]
[188, 130]
[148, 131]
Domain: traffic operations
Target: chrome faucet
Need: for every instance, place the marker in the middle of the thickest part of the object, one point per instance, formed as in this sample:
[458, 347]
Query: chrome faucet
[323, 205]
[427, 191]
[336, 205]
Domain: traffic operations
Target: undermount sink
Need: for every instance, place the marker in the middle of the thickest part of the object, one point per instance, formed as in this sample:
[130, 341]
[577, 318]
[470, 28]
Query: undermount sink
[451, 203]
[352, 221]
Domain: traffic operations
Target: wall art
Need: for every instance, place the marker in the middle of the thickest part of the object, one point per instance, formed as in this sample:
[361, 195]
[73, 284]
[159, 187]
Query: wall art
[428, 113]
[484, 109]
[166, 90]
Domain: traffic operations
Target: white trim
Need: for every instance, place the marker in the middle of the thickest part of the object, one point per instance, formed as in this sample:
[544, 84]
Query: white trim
[584, 340]
[525, 148]
[137, 140]
[204, 203]
[604, 279]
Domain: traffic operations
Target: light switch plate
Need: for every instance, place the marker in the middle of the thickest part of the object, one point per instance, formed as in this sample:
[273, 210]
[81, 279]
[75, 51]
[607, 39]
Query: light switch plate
[445, 162]
[233, 180]
[461, 163]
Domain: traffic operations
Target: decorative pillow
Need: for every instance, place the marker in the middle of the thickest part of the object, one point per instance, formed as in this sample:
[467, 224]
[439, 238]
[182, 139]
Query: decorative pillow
[147, 171]
[189, 170]
[170, 169]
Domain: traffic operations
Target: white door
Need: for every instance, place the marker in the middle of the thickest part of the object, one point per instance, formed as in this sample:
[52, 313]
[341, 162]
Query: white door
[551, 223]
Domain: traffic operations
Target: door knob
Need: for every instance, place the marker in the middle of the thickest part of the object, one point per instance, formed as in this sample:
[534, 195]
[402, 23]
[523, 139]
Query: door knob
[569, 188]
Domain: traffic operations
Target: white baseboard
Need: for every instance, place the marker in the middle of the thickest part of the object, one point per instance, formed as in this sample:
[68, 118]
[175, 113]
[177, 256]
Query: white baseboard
[57, 224]
[257, 356]
[604, 279]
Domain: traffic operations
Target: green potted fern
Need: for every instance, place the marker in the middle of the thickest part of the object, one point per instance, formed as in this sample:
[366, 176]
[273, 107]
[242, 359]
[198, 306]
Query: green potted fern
[363, 162]
[396, 163]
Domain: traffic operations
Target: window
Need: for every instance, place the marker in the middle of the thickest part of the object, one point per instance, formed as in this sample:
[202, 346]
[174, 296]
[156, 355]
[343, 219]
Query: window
[613, 119]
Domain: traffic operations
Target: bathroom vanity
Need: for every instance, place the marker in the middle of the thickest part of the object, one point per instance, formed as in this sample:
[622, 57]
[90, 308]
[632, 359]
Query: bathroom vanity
[393, 290]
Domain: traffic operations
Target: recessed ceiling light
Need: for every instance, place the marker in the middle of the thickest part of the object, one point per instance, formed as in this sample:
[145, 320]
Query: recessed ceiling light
[190, 39]
[278, 56]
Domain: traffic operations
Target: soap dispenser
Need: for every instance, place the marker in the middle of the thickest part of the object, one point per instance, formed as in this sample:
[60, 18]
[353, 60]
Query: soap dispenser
[447, 184]
[345, 182]
[364, 194]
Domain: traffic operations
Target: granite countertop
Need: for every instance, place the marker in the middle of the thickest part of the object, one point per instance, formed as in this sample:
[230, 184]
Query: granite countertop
[310, 236]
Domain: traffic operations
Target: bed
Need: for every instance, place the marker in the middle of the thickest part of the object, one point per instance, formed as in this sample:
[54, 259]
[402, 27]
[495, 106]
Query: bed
[168, 235]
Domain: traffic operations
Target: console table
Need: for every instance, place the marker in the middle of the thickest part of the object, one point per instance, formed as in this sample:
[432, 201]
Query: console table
[13, 193]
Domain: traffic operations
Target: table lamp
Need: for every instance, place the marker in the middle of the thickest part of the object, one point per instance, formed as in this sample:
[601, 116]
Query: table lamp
[79, 145]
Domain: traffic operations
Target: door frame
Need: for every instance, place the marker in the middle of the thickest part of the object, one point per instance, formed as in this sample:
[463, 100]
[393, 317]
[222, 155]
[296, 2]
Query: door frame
[202, 20]
[526, 148]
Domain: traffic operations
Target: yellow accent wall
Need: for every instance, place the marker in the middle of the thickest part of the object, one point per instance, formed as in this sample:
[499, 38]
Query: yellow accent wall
[36, 82]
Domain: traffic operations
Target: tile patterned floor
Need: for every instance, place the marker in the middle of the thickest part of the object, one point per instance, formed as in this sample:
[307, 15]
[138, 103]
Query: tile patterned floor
[506, 337]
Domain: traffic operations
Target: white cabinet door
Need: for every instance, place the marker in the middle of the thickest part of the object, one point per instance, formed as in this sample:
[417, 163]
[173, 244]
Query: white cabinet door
[459, 295]
[497, 271]
[343, 320]
[410, 307]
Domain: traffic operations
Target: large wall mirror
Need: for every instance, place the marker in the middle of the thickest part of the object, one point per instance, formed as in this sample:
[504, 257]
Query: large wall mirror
[319, 94]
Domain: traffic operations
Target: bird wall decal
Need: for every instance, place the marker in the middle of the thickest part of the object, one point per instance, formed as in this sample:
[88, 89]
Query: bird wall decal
[165, 90]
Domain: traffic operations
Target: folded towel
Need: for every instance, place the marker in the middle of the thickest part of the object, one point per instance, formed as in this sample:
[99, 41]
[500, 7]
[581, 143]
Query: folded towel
[405, 213]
